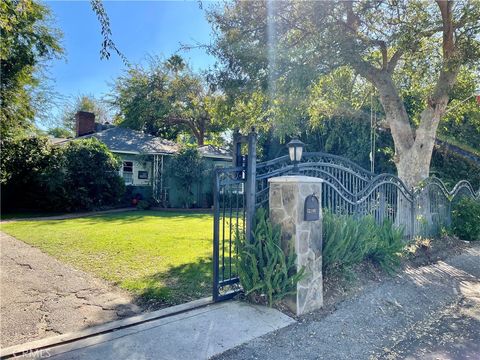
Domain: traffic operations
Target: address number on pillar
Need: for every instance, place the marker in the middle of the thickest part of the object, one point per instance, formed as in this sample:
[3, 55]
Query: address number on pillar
[312, 208]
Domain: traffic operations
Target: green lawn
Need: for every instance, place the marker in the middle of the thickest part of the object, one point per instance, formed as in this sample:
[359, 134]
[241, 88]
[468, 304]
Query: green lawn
[160, 256]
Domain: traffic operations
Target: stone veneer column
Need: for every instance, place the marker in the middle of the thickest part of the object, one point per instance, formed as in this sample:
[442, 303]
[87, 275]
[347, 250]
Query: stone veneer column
[287, 199]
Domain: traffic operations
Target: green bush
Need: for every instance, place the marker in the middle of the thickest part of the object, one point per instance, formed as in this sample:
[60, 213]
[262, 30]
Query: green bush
[30, 174]
[466, 219]
[91, 175]
[265, 270]
[187, 168]
[83, 175]
[387, 247]
[143, 205]
[348, 241]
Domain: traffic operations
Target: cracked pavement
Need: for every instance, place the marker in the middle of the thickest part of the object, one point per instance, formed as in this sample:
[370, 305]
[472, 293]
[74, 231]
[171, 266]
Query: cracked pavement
[42, 297]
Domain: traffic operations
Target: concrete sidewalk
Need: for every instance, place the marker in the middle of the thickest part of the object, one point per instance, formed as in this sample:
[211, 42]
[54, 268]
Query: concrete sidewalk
[196, 334]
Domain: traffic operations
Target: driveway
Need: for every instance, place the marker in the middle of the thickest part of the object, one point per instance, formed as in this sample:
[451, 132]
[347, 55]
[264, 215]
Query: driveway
[42, 297]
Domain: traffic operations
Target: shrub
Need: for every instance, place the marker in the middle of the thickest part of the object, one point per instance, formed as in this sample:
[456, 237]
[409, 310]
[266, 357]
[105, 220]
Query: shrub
[187, 168]
[91, 175]
[80, 176]
[387, 246]
[30, 173]
[466, 219]
[143, 205]
[265, 270]
[348, 241]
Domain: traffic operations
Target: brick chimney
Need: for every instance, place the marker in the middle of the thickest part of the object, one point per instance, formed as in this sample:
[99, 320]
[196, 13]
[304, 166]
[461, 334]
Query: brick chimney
[84, 123]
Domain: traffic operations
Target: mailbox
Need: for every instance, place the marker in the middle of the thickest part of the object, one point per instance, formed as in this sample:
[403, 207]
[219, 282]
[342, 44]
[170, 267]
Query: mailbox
[312, 208]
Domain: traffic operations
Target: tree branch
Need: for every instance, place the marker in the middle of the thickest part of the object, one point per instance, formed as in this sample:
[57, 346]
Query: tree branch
[392, 64]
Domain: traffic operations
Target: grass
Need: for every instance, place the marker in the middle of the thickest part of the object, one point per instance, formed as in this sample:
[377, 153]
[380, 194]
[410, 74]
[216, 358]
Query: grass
[162, 257]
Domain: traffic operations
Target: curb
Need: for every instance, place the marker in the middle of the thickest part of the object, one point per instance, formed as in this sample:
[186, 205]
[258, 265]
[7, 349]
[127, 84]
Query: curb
[33, 346]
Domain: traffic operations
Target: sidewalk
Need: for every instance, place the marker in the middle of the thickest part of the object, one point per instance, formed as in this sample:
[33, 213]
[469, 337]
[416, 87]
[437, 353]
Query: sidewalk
[196, 334]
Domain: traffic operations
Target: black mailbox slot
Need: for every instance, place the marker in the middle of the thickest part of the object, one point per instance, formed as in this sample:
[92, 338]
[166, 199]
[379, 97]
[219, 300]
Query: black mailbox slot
[312, 208]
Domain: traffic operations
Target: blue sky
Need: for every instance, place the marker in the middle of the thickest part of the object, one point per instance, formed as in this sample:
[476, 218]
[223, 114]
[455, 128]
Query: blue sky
[139, 28]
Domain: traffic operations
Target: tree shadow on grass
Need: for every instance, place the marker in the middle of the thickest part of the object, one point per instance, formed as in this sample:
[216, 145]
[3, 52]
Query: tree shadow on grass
[132, 217]
[126, 217]
[178, 285]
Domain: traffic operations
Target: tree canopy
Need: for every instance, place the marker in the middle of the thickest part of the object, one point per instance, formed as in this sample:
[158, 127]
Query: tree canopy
[282, 48]
[165, 99]
[83, 103]
[27, 40]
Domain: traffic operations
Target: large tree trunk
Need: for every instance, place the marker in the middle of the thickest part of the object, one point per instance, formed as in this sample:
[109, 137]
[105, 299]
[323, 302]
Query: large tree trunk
[414, 164]
[413, 147]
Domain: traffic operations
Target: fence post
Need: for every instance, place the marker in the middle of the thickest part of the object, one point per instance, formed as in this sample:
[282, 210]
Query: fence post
[250, 183]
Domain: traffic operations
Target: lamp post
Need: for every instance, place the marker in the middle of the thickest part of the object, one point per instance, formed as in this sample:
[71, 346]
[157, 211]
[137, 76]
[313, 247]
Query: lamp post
[295, 150]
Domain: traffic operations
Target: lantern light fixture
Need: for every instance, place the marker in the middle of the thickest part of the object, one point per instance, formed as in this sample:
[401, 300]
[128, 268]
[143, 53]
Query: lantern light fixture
[295, 151]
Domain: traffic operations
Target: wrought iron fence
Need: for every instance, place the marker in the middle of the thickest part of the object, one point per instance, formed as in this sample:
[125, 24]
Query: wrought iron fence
[349, 189]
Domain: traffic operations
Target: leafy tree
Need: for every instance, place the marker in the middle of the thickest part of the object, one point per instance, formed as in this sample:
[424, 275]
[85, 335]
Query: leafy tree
[164, 100]
[83, 103]
[282, 47]
[462, 119]
[175, 63]
[60, 132]
[27, 42]
[187, 167]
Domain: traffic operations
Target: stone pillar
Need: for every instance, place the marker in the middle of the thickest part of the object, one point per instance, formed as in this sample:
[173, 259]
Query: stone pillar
[287, 205]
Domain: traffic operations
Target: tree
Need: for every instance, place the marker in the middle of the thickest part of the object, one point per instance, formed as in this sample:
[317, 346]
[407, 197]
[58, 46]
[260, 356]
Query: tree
[59, 132]
[30, 171]
[165, 99]
[27, 42]
[282, 47]
[83, 103]
[82, 175]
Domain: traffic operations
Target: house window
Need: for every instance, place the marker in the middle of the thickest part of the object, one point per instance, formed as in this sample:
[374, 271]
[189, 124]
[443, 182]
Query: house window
[143, 175]
[128, 172]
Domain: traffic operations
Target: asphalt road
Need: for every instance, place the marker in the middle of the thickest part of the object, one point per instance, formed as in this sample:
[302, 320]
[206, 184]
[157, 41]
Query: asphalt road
[42, 297]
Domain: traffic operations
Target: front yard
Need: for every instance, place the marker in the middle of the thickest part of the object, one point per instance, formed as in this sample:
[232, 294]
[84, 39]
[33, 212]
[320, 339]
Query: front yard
[164, 258]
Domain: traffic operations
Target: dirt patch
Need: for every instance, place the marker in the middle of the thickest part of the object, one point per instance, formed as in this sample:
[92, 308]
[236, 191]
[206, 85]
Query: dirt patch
[42, 297]
[338, 287]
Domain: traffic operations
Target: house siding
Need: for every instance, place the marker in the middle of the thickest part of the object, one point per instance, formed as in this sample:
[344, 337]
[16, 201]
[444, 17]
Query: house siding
[140, 163]
[202, 191]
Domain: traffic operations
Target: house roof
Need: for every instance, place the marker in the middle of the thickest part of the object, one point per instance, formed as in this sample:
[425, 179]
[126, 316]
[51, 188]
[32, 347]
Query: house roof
[124, 140]
[120, 139]
[215, 152]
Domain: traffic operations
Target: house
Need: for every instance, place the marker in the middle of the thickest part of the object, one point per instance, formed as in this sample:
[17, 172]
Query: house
[145, 161]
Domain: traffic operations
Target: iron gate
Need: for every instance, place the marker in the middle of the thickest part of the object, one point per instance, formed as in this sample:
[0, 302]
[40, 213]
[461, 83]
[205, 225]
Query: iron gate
[233, 203]
[346, 189]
